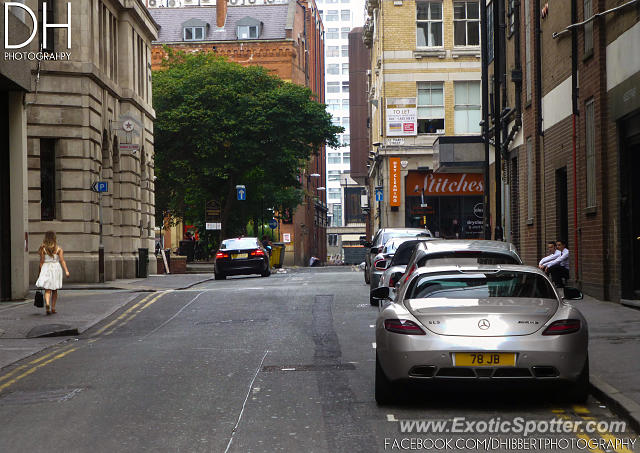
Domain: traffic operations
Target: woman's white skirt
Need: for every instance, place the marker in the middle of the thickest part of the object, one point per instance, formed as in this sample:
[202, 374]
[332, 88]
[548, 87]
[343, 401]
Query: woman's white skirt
[50, 276]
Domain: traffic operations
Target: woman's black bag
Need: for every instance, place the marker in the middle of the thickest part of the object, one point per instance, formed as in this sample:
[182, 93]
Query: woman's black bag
[39, 302]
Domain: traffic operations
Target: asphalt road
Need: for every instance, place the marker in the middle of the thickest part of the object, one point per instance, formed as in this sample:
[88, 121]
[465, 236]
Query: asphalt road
[251, 364]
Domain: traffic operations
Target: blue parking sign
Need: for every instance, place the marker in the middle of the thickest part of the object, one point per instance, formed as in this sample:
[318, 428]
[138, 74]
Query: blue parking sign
[242, 192]
[379, 195]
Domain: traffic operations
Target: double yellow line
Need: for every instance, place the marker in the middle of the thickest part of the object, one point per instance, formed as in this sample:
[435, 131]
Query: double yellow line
[22, 371]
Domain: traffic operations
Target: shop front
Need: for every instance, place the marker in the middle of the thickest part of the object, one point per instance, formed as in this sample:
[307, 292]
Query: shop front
[448, 204]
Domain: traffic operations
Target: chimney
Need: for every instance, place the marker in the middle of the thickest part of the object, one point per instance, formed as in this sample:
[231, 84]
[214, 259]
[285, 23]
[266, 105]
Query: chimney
[221, 12]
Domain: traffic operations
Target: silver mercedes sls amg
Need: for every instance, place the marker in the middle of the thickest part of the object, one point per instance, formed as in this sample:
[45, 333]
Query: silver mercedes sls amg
[480, 322]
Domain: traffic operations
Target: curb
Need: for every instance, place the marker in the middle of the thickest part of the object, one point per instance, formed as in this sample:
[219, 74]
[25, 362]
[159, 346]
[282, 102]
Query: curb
[616, 401]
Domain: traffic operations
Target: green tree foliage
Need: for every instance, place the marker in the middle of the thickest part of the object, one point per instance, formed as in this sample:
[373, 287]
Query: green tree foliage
[220, 124]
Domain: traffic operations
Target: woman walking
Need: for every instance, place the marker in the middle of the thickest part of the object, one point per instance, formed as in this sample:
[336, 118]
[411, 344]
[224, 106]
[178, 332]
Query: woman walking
[51, 265]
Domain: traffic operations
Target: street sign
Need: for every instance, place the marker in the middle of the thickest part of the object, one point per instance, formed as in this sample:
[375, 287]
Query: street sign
[379, 194]
[213, 226]
[132, 147]
[273, 224]
[242, 192]
[100, 186]
[212, 212]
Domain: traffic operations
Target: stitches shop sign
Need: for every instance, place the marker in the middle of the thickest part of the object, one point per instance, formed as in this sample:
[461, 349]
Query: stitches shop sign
[446, 183]
[402, 117]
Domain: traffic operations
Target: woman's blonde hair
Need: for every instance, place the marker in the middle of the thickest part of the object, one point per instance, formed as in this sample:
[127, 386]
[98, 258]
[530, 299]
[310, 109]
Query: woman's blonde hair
[49, 243]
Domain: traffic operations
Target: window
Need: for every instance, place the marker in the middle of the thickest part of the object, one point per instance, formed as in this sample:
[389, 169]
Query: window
[468, 108]
[333, 51]
[527, 47]
[334, 194]
[333, 87]
[345, 87]
[332, 1]
[333, 158]
[332, 33]
[511, 17]
[333, 105]
[345, 51]
[197, 33]
[590, 148]
[346, 158]
[345, 103]
[345, 1]
[429, 24]
[336, 220]
[345, 123]
[333, 175]
[345, 14]
[333, 69]
[588, 28]
[332, 15]
[530, 179]
[47, 179]
[346, 140]
[490, 32]
[466, 23]
[335, 121]
[344, 32]
[247, 31]
[430, 107]
[345, 68]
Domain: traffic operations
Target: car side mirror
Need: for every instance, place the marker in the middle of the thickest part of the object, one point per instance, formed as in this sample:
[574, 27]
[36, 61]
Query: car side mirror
[380, 293]
[375, 250]
[572, 294]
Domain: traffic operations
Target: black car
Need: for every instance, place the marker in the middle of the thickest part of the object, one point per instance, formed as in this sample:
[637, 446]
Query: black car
[241, 256]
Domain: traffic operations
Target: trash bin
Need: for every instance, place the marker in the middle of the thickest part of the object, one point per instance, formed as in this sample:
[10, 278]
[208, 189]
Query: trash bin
[188, 249]
[143, 263]
[274, 259]
[281, 249]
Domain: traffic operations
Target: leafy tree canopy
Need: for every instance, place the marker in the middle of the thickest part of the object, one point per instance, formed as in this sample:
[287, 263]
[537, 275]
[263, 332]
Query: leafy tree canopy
[220, 124]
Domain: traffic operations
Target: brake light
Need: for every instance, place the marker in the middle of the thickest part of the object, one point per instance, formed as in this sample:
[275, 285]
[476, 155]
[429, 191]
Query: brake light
[222, 255]
[392, 281]
[380, 264]
[257, 253]
[562, 327]
[413, 268]
[403, 326]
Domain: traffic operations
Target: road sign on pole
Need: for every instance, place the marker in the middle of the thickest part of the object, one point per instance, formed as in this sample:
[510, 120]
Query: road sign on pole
[100, 186]
[273, 224]
[242, 192]
[379, 194]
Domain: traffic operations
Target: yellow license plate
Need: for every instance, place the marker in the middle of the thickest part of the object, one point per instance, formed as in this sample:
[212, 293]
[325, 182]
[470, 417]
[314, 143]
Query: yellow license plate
[236, 256]
[484, 359]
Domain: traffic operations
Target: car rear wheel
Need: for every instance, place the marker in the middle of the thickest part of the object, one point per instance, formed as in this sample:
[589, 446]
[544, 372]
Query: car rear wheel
[366, 274]
[578, 392]
[383, 386]
[266, 272]
[220, 276]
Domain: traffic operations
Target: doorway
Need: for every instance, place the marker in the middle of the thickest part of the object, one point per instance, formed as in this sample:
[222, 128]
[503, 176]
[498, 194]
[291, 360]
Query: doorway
[630, 208]
[562, 206]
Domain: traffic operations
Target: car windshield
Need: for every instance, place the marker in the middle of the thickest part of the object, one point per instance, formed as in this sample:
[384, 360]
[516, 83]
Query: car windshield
[392, 245]
[404, 234]
[466, 257]
[239, 244]
[482, 286]
[403, 254]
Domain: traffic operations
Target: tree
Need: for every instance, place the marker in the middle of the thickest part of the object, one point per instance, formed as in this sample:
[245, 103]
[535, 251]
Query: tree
[219, 124]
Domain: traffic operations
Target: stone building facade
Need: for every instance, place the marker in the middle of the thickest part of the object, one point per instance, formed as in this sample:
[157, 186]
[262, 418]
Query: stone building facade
[287, 39]
[80, 112]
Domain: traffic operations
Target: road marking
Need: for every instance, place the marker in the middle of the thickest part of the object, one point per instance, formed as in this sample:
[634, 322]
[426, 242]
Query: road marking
[372, 325]
[391, 418]
[33, 369]
[587, 439]
[137, 312]
[373, 345]
[580, 410]
[6, 376]
[123, 315]
[170, 319]
[235, 428]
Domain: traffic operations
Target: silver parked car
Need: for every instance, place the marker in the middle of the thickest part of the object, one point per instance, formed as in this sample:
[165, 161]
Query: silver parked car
[481, 322]
[371, 275]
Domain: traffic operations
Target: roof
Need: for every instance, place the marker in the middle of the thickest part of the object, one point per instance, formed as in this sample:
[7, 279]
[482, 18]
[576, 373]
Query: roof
[171, 20]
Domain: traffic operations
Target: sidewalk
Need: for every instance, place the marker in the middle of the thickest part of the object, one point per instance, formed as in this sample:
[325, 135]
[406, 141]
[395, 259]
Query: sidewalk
[80, 306]
[614, 355]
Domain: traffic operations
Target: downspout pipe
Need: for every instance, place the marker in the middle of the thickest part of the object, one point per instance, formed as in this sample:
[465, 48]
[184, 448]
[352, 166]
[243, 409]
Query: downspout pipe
[486, 217]
[574, 115]
[497, 65]
[516, 76]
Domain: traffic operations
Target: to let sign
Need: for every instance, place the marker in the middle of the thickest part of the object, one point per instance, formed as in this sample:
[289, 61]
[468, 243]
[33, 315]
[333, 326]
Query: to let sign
[394, 182]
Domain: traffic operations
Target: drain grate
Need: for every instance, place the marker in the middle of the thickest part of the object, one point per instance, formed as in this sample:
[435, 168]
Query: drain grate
[232, 321]
[39, 396]
[328, 367]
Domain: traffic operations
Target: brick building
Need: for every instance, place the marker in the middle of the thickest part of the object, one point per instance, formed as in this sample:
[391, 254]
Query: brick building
[287, 39]
[567, 172]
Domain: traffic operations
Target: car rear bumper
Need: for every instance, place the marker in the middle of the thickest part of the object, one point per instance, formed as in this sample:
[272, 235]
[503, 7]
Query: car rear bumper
[241, 266]
[375, 278]
[430, 356]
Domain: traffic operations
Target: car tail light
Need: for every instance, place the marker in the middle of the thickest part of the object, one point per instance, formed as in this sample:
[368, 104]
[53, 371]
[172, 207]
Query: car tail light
[222, 255]
[392, 281]
[403, 326]
[257, 253]
[413, 268]
[380, 264]
[562, 327]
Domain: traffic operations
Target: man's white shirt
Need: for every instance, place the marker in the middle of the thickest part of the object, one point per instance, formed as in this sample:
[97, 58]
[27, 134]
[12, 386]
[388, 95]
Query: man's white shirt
[562, 260]
[551, 257]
